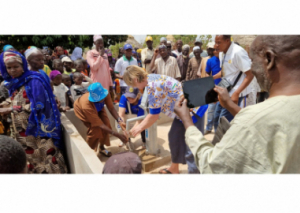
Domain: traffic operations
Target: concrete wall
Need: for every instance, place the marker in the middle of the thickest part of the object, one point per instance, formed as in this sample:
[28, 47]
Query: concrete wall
[82, 129]
[82, 159]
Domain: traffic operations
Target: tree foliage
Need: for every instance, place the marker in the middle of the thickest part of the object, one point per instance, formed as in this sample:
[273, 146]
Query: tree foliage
[51, 41]
[156, 40]
[115, 49]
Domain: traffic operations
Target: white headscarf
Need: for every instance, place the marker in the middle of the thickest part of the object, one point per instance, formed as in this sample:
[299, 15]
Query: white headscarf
[186, 46]
[30, 51]
[196, 48]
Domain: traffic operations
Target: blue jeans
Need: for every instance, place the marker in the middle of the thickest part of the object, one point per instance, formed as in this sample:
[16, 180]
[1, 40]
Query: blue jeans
[210, 116]
[220, 112]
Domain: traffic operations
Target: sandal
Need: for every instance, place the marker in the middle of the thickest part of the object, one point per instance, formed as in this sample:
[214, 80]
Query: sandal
[166, 170]
[106, 153]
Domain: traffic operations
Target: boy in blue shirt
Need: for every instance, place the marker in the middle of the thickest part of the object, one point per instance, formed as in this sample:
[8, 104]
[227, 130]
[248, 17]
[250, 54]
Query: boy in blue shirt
[129, 104]
[212, 69]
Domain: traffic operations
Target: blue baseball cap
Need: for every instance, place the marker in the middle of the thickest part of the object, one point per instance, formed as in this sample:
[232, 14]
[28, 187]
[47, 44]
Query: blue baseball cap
[97, 92]
[127, 46]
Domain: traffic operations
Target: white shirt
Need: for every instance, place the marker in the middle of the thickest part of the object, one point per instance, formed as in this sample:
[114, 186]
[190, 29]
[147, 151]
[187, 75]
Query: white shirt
[236, 60]
[177, 53]
[60, 92]
[121, 66]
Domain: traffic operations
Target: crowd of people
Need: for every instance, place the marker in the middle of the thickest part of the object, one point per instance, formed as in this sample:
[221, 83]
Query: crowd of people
[40, 84]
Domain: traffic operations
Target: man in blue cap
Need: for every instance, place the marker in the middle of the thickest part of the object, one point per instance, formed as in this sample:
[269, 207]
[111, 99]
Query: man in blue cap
[123, 63]
[129, 104]
[89, 108]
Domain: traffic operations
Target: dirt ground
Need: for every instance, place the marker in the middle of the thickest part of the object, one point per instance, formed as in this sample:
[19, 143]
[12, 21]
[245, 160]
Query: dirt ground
[162, 134]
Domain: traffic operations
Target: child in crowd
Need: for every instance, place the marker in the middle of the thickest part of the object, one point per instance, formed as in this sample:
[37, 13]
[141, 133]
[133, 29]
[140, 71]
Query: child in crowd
[12, 156]
[60, 90]
[86, 68]
[79, 87]
[129, 104]
[58, 65]
[79, 67]
[66, 79]
[67, 62]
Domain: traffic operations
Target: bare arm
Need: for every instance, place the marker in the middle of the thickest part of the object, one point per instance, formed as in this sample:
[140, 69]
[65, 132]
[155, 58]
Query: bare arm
[122, 137]
[88, 79]
[146, 123]
[118, 76]
[122, 113]
[226, 101]
[244, 84]
[111, 107]
[249, 77]
[218, 75]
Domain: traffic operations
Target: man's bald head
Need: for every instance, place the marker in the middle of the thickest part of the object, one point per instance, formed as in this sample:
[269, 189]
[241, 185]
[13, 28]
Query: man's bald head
[273, 56]
[285, 47]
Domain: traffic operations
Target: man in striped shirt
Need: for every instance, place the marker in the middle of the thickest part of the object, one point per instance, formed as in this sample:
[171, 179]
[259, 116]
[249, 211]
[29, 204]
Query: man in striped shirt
[165, 65]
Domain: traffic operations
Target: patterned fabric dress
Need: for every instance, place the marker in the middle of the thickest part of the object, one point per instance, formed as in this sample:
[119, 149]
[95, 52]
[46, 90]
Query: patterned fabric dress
[42, 155]
[163, 93]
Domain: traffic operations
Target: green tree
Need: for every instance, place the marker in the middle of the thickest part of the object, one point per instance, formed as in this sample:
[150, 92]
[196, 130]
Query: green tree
[67, 41]
[115, 49]
[156, 40]
[186, 39]
[205, 39]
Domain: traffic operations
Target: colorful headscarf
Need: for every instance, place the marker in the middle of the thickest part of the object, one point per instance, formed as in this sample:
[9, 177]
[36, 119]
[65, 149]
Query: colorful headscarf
[11, 56]
[44, 119]
[76, 54]
[7, 47]
[54, 73]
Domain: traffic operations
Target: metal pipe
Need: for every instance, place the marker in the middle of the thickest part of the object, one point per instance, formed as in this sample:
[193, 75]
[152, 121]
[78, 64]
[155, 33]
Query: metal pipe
[133, 119]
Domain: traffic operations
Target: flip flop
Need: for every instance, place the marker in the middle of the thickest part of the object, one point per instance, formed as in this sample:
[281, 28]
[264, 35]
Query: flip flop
[106, 153]
[166, 170]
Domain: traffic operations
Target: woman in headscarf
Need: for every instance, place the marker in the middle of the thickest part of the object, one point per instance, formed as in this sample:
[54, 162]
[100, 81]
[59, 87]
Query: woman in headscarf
[8, 47]
[183, 61]
[194, 65]
[35, 119]
[35, 59]
[76, 54]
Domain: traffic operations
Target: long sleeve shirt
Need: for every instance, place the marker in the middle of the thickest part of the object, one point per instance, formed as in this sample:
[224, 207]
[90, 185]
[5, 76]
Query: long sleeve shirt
[99, 68]
[263, 138]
